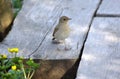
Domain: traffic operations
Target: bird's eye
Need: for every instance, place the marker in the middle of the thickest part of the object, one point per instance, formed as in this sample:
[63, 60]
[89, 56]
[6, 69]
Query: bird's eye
[64, 19]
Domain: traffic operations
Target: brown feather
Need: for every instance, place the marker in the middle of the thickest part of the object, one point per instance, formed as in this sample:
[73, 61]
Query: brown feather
[55, 30]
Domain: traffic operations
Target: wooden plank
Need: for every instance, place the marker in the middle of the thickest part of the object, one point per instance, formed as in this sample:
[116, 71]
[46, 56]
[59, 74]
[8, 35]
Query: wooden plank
[31, 26]
[109, 7]
[81, 14]
[101, 55]
[37, 18]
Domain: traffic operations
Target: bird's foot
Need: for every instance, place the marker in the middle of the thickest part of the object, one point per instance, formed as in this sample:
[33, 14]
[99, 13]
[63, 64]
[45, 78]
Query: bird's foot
[56, 42]
[67, 48]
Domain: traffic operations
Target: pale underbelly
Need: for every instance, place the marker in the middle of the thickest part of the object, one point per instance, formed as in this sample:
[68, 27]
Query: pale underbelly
[62, 35]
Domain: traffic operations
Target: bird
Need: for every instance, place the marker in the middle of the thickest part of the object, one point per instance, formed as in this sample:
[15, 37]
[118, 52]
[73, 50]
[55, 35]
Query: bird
[62, 30]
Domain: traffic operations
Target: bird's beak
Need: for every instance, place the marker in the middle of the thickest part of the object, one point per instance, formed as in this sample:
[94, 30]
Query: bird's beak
[69, 18]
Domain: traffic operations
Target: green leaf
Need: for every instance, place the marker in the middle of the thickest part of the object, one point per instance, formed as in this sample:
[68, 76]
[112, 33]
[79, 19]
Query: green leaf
[17, 3]
[32, 64]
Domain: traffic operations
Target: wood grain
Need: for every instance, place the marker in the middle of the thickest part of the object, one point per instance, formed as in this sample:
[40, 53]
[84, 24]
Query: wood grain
[81, 14]
[101, 55]
[109, 8]
[33, 27]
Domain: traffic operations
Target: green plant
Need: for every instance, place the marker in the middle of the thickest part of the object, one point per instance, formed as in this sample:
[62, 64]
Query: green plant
[17, 5]
[16, 68]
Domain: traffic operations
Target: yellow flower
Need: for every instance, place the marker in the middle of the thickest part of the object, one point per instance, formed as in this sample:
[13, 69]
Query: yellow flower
[10, 50]
[14, 67]
[16, 50]
[4, 56]
[13, 50]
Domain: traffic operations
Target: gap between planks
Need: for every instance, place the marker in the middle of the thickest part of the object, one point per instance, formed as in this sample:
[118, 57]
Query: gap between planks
[81, 52]
[77, 63]
[107, 15]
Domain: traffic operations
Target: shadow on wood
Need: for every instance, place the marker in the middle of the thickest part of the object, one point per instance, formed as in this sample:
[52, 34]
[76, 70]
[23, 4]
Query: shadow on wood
[53, 69]
[71, 73]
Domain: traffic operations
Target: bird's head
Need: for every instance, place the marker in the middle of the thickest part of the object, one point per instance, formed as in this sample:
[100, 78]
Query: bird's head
[64, 19]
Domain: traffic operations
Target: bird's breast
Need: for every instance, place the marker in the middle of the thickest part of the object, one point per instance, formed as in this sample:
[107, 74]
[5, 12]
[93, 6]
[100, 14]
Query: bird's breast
[62, 33]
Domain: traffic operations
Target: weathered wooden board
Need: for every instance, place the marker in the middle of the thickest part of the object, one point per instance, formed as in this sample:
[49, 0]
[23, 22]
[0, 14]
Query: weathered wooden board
[31, 26]
[109, 7]
[81, 14]
[38, 18]
[101, 55]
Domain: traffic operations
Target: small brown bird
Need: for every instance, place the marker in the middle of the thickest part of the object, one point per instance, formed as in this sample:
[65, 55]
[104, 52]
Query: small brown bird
[62, 30]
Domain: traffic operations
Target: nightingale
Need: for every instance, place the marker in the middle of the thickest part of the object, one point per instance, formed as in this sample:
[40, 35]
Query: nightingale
[62, 30]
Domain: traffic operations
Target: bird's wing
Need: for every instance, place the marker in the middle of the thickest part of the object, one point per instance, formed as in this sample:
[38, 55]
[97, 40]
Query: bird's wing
[55, 30]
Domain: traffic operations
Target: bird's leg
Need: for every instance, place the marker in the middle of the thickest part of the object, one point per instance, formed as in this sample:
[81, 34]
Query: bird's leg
[55, 41]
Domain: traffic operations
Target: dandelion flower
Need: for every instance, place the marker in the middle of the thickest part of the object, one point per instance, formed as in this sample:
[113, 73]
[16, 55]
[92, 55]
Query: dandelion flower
[4, 56]
[16, 50]
[13, 50]
[10, 50]
[14, 67]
